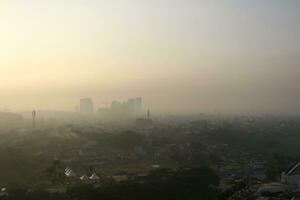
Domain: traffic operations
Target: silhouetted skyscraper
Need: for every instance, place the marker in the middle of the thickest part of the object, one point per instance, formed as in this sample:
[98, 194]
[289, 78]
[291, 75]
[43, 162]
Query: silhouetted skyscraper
[86, 106]
[130, 109]
[135, 106]
[138, 105]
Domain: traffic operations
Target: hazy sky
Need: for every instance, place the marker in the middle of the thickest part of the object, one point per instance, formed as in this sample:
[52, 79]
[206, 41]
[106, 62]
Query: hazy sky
[179, 55]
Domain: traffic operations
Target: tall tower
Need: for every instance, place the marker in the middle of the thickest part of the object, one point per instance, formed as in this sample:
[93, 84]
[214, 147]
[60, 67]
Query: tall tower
[33, 119]
[138, 105]
[86, 106]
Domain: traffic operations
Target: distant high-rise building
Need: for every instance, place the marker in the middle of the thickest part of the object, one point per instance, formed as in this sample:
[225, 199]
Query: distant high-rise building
[138, 105]
[130, 109]
[135, 106]
[86, 106]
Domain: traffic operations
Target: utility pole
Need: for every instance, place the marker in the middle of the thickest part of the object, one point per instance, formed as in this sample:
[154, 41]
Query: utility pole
[33, 119]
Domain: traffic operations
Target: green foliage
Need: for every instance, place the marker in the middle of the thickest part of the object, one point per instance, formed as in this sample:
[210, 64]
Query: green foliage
[127, 140]
[185, 184]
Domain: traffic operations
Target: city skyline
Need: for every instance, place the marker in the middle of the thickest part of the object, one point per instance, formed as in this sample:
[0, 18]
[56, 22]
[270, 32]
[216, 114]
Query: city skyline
[149, 99]
[183, 57]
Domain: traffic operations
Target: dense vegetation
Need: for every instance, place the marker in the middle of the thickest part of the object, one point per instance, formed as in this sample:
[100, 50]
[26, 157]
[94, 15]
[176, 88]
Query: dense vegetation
[27, 156]
[195, 183]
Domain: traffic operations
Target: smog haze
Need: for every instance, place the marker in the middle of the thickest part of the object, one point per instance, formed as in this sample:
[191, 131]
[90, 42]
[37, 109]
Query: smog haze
[180, 56]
